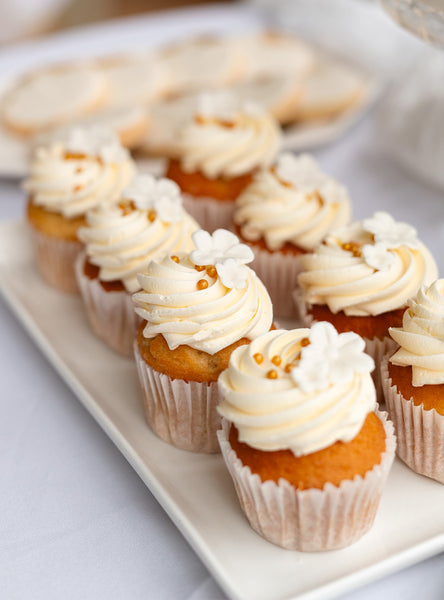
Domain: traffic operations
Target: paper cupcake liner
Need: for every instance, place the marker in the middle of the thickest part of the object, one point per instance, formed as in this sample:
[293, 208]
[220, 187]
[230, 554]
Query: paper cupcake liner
[419, 432]
[110, 314]
[55, 260]
[279, 273]
[211, 214]
[375, 347]
[310, 520]
[182, 413]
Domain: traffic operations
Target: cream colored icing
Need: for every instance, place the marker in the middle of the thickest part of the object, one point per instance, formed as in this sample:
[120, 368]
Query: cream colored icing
[205, 319]
[381, 276]
[276, 414]
[122, 243]
[292, 202]
[75, 175]
[421, 336]
[227, 139]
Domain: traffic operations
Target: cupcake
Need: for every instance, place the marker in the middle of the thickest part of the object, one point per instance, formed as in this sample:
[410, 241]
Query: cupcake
[360, 278]
[217, 152]
[413, 383]
[308, 455]
[67, 178]
[196, 309]
[120, 240]
[286, 211]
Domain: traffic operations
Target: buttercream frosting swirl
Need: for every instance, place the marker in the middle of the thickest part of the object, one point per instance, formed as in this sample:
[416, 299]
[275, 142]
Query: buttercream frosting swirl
[421, 336]
[206, 316]
[367, 268]
[227, 138]
[122, 239]
[74, 175]
[294, 202]
[279, 413]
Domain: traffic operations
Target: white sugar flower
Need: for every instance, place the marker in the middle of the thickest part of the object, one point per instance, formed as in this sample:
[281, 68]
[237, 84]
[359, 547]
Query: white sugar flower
[301, 171]
[95, 141]
[232, 274]
[218, 247]
[330, 358]
[393, 234]
[378, 256]
[162, 195]
[219, 104]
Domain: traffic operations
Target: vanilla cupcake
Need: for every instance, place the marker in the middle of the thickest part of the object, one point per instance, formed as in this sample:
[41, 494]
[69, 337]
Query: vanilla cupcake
[413, 383]
[361, 277]
[308, 455]
[217, 152]
[120, 240]
[67, 178]
[285, 212]
[196, 309]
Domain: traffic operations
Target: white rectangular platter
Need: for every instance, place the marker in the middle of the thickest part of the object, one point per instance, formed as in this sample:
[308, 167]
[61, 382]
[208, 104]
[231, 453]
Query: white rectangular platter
[195, 490]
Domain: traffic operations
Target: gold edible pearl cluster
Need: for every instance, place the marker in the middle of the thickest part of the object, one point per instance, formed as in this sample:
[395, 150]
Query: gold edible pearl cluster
[352, 247]
[277, 361]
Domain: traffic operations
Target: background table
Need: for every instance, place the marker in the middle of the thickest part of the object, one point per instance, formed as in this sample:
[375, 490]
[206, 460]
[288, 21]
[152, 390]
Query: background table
[75, 519]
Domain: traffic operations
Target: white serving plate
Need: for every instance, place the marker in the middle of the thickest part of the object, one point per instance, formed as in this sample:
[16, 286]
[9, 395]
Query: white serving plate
[153, 30]
[195, 490]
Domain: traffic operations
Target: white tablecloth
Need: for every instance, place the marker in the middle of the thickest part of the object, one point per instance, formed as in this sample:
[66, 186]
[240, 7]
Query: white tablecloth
[75, 519]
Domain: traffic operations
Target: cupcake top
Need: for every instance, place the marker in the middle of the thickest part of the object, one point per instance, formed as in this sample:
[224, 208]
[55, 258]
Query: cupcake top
[227, 137]
[206, 299]
[421, 336]
[293, 201]
[367, 268]
[148, 223]
[86, 168]
[301, 390]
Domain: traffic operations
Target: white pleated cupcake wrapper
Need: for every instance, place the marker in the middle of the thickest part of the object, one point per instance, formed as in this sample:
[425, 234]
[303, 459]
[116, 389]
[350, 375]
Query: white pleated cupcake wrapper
[110, 314]
[419, 432]
[310, 520]
[55, 260]
[181, 413]
[211, 214]
[375, 347]
[279, 273]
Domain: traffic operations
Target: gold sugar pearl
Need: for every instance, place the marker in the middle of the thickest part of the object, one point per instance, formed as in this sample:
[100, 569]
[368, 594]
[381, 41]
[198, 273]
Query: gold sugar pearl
[305, 342]
[79, 170]
[352, 247]
[289, 367]
[272, 374]
[199, 268]
[211, 271]
[258, 357]
[175, 258]
[151, 216]
[202, 284]
[276, 360]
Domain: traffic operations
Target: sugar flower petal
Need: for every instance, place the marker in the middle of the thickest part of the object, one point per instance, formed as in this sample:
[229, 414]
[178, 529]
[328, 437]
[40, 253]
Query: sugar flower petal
[378, 256]
[232, 274]
[393, 234]
[218, 247]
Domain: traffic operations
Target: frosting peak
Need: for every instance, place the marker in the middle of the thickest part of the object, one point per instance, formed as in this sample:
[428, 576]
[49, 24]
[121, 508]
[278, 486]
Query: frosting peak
[282, 412]
[228, 138]
[367, 268]
[294, 202]
[421, 336]
[79, 172]
[206, 306]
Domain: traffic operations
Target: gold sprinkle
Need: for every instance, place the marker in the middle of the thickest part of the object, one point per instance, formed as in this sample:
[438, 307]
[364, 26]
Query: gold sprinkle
[199, 268]
[276, 360]
[79, 170]
[202, 284]
[305, 342]
[175, 258]
[151, 216]
[77, 188]
[211, 271]
[289, 367]
[352, 247]
[258, 357]
[74, 155]
[272, 374]
[203, 120]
